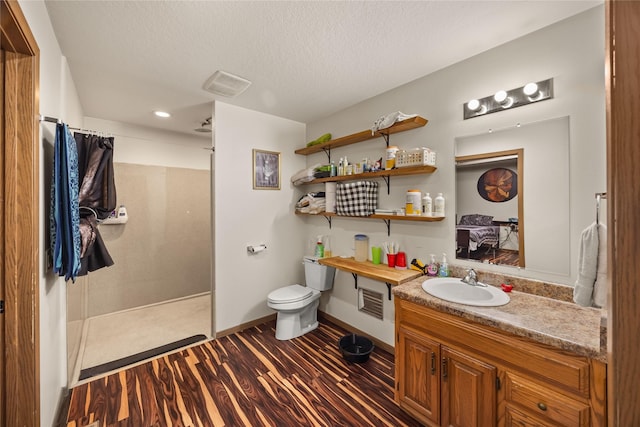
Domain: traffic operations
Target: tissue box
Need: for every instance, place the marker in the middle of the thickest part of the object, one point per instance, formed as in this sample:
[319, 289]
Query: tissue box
[357, 198]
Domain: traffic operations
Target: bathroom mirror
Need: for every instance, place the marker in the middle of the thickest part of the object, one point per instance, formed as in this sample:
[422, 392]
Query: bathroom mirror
[489, 205]
[496, 172]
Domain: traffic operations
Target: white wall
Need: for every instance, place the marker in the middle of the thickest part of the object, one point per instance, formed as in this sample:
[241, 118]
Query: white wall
[58, 98]
[148, 146]
[571, 52]
[246, 216]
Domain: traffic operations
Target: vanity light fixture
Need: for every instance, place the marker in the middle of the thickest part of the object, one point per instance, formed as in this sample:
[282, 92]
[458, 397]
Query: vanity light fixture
[506, 99]
[502, 98]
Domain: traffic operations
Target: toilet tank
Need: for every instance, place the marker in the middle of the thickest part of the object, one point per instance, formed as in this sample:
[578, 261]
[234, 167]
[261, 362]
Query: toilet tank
[318, 276]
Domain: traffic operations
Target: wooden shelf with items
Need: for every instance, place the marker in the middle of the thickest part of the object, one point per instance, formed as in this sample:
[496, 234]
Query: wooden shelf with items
[379, 272]
[386, 218]
[365, 135]
[405, 171]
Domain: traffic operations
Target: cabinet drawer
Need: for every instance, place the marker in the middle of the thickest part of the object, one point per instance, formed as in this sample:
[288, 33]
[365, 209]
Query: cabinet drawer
[545, 403]
[514, 417]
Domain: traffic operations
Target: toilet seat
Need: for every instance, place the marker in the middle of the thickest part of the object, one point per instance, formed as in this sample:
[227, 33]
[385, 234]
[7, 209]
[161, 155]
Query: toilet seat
[289, 294]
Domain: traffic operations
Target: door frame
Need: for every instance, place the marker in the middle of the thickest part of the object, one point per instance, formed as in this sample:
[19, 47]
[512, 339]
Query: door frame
[622, 82]
[19, 220]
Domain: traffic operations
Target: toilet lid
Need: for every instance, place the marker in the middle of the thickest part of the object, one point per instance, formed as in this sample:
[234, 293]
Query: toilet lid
[291, 293]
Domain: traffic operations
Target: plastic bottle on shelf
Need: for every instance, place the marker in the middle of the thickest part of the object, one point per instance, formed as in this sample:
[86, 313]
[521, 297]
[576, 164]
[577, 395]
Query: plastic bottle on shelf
[427, 205]
[444, 266]
[334, 169]
[341, 167]
[438, 206]
[361, 247]
[412, 205]
[391, 157]
[327, 247]
[319, 248]
[432, 267]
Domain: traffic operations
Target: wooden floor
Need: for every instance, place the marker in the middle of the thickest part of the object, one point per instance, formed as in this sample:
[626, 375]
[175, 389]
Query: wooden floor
[247, 379]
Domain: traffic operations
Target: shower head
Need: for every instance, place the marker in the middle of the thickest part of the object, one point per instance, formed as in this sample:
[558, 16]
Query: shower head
[205, 127]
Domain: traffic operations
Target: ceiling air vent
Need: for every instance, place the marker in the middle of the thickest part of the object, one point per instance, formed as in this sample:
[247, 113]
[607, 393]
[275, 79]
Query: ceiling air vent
[226, 84]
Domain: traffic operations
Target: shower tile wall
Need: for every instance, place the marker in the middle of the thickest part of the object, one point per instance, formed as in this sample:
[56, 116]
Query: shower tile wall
[164, 250]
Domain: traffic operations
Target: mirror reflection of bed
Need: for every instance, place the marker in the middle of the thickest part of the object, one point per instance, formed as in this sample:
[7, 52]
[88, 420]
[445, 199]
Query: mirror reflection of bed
[480, 238]
[488, 208]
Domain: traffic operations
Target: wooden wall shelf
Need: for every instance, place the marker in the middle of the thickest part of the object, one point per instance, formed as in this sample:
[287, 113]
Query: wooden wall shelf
[380, 272]
[365, 135]
[409, 170]
[386, 218]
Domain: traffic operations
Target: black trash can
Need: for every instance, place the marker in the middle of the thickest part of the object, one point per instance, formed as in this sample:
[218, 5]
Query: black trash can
[355, 348]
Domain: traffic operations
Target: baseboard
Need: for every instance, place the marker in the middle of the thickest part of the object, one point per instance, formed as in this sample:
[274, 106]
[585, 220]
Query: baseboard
[64, 400]
[251, 324]
[380, 344]
[321, 315]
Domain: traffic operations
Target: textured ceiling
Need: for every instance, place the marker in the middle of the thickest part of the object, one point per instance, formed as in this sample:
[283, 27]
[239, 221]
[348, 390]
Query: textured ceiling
[306, 59]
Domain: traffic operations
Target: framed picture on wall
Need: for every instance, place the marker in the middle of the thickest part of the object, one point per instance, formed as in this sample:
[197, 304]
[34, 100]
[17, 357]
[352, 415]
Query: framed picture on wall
[498, 185]
[266, 170]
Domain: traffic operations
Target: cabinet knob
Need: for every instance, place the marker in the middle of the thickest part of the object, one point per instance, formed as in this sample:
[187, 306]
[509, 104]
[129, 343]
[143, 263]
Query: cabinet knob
[542, 406]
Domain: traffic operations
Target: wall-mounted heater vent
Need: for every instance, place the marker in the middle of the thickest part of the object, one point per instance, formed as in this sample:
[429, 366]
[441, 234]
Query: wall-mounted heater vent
[370, 302]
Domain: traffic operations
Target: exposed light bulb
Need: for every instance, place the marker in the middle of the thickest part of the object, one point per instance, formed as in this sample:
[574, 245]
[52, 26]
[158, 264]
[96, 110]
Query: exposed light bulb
[162, 114]
[500, 96]
[473, 105]
[530, 89]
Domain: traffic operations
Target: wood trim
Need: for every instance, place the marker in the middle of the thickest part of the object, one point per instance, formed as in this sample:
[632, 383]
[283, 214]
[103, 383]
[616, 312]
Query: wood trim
[623, 204]
[246, 325]
[19, 214]
[380, 344]
[2, 246]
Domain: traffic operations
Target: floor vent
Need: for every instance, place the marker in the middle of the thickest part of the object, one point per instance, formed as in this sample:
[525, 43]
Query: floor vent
[370, 302]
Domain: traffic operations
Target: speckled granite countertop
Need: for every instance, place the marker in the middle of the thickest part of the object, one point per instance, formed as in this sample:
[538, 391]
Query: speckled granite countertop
[560, 324]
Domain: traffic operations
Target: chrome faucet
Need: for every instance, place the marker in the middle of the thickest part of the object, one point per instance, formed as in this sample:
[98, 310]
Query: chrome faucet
[472, 278]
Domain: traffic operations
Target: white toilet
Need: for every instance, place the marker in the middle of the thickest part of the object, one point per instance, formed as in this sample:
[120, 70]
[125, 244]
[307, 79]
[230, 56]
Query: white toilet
[297, 305]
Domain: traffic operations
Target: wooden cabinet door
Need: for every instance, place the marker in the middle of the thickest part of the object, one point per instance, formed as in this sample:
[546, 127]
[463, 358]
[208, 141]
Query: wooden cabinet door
[418, 374]
[468, 390]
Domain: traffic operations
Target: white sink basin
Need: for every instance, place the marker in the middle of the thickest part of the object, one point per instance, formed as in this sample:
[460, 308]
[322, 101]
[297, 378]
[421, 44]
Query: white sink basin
[455, 290]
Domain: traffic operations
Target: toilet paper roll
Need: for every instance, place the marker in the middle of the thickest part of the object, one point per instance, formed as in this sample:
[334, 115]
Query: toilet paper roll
[330, 187]
[256, 249]
[330, 197]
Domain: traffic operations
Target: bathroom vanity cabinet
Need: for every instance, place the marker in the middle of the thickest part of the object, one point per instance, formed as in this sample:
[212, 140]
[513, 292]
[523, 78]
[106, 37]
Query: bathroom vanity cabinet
[453, 371]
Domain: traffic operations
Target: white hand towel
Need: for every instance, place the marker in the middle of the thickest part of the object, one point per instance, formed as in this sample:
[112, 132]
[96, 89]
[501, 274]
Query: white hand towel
[600, 288]
[587, 266]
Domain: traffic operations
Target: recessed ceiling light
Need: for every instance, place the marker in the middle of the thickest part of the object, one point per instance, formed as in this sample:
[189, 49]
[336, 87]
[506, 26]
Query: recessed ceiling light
[162, 114]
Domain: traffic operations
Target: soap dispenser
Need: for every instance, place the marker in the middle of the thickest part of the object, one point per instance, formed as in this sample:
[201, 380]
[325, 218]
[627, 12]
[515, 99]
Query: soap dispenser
[319, 248]
[444, 266]
[432, 267]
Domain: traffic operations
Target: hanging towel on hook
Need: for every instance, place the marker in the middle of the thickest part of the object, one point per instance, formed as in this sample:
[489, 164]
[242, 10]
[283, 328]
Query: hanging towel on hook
[97, 193]
[64, 216]
[590, 288]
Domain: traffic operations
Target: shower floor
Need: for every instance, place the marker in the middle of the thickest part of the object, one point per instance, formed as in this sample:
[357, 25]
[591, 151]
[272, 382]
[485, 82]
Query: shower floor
[117, 335]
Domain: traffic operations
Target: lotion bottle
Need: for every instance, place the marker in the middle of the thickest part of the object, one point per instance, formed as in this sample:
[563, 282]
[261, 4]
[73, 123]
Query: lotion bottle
[438, 205]
[427, 205]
